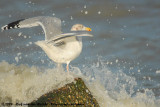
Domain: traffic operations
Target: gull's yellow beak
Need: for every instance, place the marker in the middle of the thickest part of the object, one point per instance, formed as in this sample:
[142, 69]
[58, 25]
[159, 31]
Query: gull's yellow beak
[88, 29]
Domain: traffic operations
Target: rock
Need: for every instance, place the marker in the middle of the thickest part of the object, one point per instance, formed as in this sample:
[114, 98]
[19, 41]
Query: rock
[71, 95]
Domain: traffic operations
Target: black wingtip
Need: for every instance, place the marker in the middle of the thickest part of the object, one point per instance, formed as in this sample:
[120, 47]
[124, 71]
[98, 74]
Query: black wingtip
[12, 25]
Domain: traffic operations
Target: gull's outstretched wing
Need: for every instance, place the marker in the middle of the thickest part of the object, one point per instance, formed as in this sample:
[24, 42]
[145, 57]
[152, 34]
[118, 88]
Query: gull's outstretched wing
[66, 35]
[50, 25]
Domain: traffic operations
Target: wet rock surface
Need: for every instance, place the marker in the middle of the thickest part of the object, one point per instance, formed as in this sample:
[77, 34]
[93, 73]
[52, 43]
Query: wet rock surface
[71, 95]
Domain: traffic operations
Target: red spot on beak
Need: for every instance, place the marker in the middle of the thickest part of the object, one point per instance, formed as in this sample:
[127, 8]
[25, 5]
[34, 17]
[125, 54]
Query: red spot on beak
[88, 29]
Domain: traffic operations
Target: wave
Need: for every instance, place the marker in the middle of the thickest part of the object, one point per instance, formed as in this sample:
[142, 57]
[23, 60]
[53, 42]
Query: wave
[23, 84]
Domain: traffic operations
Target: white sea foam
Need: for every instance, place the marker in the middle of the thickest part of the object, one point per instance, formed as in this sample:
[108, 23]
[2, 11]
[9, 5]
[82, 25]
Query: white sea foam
[111, 89]
[25, 84]
[115, 89]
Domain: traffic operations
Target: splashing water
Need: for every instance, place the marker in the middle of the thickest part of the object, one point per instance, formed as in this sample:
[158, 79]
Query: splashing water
[114, 89]
[25, 84]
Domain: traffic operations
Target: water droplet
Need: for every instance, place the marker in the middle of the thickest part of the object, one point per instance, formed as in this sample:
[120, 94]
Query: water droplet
[99, 12]
[53, 14]
[147, 44]
[116, 60]
[71, 18]
[86, 12]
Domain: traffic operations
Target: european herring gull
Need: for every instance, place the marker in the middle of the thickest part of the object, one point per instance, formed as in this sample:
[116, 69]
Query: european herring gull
[59, 47]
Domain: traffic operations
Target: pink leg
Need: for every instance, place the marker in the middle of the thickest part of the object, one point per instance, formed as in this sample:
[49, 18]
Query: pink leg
[67, 67]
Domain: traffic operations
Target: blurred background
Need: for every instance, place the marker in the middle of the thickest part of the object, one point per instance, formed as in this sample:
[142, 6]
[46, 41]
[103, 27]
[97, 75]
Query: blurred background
[126, 36]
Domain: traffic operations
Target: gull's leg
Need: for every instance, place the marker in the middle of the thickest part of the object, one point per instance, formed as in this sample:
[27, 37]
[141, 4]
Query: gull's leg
[67, 67]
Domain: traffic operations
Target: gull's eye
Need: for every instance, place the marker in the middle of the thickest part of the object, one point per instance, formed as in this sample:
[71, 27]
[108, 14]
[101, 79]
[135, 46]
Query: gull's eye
[81, 26]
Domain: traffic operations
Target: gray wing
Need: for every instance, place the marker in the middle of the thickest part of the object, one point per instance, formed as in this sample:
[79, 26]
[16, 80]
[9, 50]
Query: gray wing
[66, 35]
[50, 25]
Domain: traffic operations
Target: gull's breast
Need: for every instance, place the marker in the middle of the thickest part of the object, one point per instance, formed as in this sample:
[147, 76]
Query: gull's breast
[73, 49]
[64, 54]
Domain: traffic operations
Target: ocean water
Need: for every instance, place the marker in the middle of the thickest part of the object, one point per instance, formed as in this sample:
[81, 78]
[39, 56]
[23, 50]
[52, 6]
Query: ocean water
[120, 64]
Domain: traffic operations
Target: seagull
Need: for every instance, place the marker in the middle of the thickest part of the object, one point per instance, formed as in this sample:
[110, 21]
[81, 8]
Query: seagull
[60, 47]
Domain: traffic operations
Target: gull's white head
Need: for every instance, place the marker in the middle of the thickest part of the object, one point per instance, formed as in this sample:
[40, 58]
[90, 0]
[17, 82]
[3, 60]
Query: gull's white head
[80, 27]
